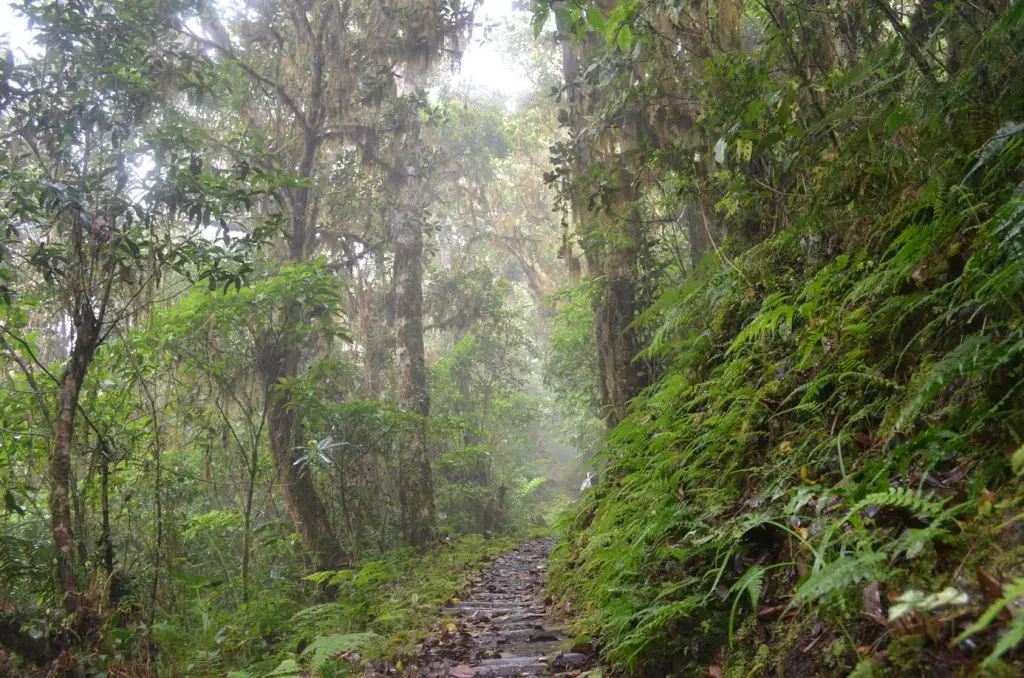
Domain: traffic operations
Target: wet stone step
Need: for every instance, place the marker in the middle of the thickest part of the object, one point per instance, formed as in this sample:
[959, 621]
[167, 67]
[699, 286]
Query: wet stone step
[498, 627]
[527, 635]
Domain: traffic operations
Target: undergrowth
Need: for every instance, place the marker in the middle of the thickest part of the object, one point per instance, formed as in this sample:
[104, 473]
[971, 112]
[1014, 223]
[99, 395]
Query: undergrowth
[379, 610]
[826, 478]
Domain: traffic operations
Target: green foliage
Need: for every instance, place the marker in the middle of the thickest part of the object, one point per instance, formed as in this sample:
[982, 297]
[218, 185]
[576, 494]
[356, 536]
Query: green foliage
[568, 368]
[325, 648]
[382, 607]
[839, 398]
[841, 573]
[152, 155]
[752, 584]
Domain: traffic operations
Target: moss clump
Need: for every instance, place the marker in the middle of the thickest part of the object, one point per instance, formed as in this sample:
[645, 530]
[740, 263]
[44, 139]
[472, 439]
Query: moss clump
[839, 654]
[867, 668]
[905, 654]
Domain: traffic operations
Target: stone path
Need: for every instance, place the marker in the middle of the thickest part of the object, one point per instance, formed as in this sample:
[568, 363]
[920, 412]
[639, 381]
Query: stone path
[501, 626]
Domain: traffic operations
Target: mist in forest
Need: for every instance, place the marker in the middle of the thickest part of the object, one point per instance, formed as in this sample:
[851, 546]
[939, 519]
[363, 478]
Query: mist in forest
[443, 338]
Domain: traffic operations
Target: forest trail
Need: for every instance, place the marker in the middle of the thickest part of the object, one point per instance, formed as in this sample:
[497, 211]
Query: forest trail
[501, 626]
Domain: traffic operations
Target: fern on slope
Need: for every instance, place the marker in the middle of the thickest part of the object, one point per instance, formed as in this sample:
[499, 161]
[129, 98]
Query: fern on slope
[899, 497]
[751, 583]
[842, 572]
[325, 648]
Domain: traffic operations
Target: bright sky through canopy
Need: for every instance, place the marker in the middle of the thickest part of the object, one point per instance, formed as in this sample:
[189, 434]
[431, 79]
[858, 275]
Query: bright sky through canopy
[14, 32]
[484, 65]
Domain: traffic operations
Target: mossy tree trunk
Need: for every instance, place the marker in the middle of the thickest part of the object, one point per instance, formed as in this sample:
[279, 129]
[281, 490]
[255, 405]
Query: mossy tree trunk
[281, 362]
[287, 444]
[415, 483]
[607, 228]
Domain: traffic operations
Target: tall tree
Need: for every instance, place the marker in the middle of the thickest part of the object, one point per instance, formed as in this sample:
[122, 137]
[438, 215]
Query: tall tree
[97, 231]
[285, 40]
[601, 185]
[416, 488]
[318, 74]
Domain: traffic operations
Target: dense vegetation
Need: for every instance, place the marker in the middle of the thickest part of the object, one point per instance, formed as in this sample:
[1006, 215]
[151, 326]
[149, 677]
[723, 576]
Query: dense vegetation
[272, 325]
[803, 224]
[297, 330]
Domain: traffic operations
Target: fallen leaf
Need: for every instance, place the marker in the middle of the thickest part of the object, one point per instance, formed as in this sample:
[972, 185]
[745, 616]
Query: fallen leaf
[990, 586]
[993, 590]
[873, 602]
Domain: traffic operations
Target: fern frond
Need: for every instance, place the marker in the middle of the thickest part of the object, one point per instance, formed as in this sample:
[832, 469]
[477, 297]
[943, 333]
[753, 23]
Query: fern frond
[752, 582]
[1010, 594]
[1010, 639]
[841, 573]
[325, 648]
[775, 311]
[899, 497]
[973, 356]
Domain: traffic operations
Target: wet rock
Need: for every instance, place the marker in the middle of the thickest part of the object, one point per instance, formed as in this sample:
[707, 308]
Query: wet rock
[503, 626]
[570, 660]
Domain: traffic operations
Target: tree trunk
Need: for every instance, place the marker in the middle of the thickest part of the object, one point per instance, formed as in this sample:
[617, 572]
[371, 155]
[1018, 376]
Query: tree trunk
[617, 341]
[280, 362]
[60, 462]
[612, 256]
[287, 446]
[250, 488]
[106, 543]
[415, 485]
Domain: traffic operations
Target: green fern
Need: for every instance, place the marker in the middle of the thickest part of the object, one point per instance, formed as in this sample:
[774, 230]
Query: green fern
[843, 572]
[325, 648]
[896, 497]
[1010, 639]
[751, 583]
[774, 311]
[973, 356]
[288, 668]
[899, 497]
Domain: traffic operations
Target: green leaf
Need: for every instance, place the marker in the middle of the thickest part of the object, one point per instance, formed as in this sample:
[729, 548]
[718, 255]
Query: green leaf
[195, 581]
[286, 669]
[595, 18]
[843, 572]
[540, 17]
[624, 40]
[325, 648]
[752, 582]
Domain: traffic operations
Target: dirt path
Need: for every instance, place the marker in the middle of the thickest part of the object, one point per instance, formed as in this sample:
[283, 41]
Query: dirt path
[501, 626]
